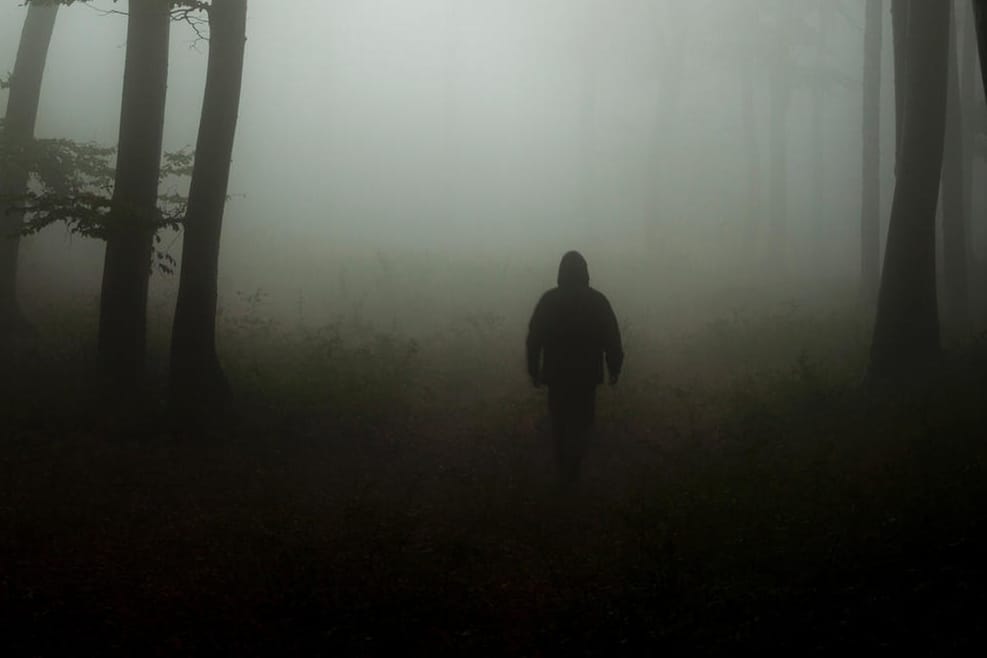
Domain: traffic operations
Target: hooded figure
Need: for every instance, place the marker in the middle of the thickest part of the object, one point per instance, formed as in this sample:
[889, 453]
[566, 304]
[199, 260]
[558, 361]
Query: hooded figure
[572, 332]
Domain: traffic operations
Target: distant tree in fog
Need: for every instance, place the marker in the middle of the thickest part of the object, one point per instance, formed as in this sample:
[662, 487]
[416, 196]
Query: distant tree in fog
[980, 19]
[974, 113]
[747, 36]
[819, 91]
[17, 133]
[906, 331]
[899, 32]
[974, 110]
[781, 32]
[133, 215]
[197, 382]
[980, 22]
[870, 209]
[953, 197]
[672, 27]
[814, 24]
[752, 155]
[783, 44]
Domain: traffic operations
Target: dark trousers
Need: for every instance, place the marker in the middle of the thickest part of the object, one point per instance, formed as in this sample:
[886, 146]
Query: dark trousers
[573, 411]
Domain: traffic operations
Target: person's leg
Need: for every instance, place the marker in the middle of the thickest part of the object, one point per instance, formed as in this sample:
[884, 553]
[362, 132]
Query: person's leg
[572, 410]
[582, 414]
[558, 409]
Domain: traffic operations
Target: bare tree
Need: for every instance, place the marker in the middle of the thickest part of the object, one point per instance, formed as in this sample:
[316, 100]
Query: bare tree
[197, 382]
[780, 90]
[906, 331]
[870, 206]
[18, 134]
[818, 93]
[953, 197]
[672, 26]
[132, 222]
[980, 19]
[899, 33]
[974, 118]
[752, 149]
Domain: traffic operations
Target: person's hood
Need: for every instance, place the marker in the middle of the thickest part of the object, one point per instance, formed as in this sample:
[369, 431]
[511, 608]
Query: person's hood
[573, 270]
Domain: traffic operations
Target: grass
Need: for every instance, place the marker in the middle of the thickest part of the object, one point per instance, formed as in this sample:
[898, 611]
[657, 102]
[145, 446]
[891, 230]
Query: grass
[373, 494]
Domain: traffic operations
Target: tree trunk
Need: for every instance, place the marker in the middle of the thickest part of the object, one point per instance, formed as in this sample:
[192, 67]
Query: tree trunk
[980, 24]
[870, 205]
[780, 100]
[752, 150]
[589, 188]
[126, 270]
[899, 35]
[906, 331]
[819, 96]
[974, 114]
[197, 383]
[672, 72]
[980, 18]
[778, 169]
[18, 132]
[953, 200]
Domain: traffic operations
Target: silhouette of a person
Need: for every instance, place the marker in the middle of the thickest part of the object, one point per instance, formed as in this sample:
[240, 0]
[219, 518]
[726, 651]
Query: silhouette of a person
[572, 331]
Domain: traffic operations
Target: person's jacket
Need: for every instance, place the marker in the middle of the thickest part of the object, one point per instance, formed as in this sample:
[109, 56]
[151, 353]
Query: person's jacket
[573, 330]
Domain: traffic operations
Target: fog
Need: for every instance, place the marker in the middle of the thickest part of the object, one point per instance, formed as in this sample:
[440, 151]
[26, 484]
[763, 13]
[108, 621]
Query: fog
[478, 141]
[404, 423]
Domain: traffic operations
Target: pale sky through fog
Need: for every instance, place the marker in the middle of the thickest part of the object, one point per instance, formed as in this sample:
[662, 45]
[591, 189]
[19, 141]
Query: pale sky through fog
[475, 124]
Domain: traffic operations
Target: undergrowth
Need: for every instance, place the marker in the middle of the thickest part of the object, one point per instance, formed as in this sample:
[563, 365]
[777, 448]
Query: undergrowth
[373, 491]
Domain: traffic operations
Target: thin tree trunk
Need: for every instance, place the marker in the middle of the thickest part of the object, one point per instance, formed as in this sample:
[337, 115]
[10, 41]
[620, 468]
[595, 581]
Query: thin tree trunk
[197, 383]
[906, 331]
[953, 199]
[18, 132]
[672, 73]
[126, 271]
[899, 30]
[780, 100]
[819, 224]
[870, 217]
[753, 152]
[778, 169]
[974, 113]
[980, 24]
[589, 189]
[449, 199]
[980, 19]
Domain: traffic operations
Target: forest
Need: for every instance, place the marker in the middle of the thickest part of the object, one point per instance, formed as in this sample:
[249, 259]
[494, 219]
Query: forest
[289, 364]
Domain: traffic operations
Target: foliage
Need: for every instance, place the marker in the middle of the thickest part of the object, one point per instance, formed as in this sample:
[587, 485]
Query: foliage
[72, 183]
[347, 366]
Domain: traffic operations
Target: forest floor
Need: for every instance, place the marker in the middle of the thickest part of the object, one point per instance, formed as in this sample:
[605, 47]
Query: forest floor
[365, 499]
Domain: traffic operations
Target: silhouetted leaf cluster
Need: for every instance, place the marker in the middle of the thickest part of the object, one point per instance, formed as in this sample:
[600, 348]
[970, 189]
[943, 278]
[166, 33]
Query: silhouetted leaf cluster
[72, 182]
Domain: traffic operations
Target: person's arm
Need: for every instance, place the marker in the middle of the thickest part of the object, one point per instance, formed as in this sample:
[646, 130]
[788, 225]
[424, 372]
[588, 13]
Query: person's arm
[536, 342]
[612, 344]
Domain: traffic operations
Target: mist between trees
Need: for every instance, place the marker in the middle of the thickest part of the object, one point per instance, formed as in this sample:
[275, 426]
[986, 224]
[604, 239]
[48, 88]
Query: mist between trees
[434, 161]
[266, 275]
